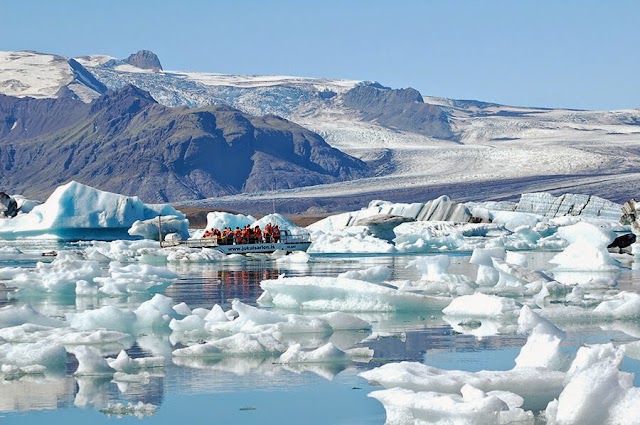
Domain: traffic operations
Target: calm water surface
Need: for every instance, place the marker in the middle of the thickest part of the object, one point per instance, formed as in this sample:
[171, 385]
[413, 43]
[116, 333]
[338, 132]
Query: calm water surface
[257, 391]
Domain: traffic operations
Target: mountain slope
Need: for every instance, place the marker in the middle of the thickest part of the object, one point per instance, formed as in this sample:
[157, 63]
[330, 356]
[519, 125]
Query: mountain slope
[416, 146]
[127, 143]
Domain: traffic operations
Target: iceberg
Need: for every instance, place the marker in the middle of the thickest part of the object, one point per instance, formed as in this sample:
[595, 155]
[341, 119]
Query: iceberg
[587, 250]
[78, 212]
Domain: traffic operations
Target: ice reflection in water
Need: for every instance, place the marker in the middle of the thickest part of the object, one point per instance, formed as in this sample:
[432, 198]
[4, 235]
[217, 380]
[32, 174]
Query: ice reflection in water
[427, 337]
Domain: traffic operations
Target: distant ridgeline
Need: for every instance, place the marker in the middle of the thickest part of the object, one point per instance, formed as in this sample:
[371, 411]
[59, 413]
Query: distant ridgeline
[127, 143]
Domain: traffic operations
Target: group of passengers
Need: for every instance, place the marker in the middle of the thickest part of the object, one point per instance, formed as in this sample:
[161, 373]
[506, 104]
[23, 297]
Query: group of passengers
[227, 236]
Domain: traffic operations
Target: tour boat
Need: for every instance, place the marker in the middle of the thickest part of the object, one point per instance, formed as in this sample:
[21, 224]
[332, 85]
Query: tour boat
[231, 245]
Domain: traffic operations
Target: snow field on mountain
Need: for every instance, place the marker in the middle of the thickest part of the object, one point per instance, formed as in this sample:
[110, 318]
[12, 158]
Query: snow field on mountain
[33, 74]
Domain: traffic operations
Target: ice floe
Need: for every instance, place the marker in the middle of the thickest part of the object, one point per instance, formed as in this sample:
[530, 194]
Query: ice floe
[343, 294]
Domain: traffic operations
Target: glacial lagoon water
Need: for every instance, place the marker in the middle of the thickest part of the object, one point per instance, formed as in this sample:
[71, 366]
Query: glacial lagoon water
[255, 390]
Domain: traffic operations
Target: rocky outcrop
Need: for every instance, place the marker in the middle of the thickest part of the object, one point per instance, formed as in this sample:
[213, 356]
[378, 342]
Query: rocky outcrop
[550, 206]
[8, 206]
[144, 59]
[127, 143]
[401, 109]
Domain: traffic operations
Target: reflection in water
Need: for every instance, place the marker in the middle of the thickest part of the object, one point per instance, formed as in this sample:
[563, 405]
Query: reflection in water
[36, 393]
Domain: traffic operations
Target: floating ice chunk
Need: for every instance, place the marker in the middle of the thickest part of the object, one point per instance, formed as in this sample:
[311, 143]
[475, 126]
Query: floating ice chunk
[182, 309]
[516, 258]
[124, 363]
[194, 255]
[622, 305]
[90, 362]
[107, 317]
[84, 288]
[473, 407]
[513, 220]
[484, 256]
[432, 267]
[513, 275]
[350, 240]
[422, 236]
[120, 250]
[536, 386]
[590, 355]
[340, 321]
[439, 209]
[96, 338]
[375, 274]
[240, 344]
[596, 391]
[299, 257]
[216, 315]
[542, 350]
[342, 294]
[632, 350]
[134, 278]
[14, 316]
[326, 353]
[59, 276]
[583, 257]
[187, 324]
[480, 328]
[155, 314]
[150, 228]
[481, 305]
[139, 409]
[43, 353]
[528, 320]
[436, 279]
[487, 275]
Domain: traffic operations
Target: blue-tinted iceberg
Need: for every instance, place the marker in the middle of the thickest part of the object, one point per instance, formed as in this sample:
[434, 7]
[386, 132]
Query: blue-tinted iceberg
[76, 211]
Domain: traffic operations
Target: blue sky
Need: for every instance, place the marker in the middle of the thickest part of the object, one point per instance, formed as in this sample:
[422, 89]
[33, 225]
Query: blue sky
[561, 53]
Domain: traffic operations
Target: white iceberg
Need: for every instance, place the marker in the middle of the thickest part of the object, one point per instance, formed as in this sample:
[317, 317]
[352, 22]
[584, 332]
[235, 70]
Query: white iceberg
[482, 305]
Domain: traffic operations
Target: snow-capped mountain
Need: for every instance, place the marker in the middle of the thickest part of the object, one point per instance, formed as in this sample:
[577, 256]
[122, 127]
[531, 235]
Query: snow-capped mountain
[421, 146]
[39, 75]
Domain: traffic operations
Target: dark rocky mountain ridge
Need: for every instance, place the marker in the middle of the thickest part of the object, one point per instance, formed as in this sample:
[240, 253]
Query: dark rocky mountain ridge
[402, 109]
[144, 59]
[126, 142]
